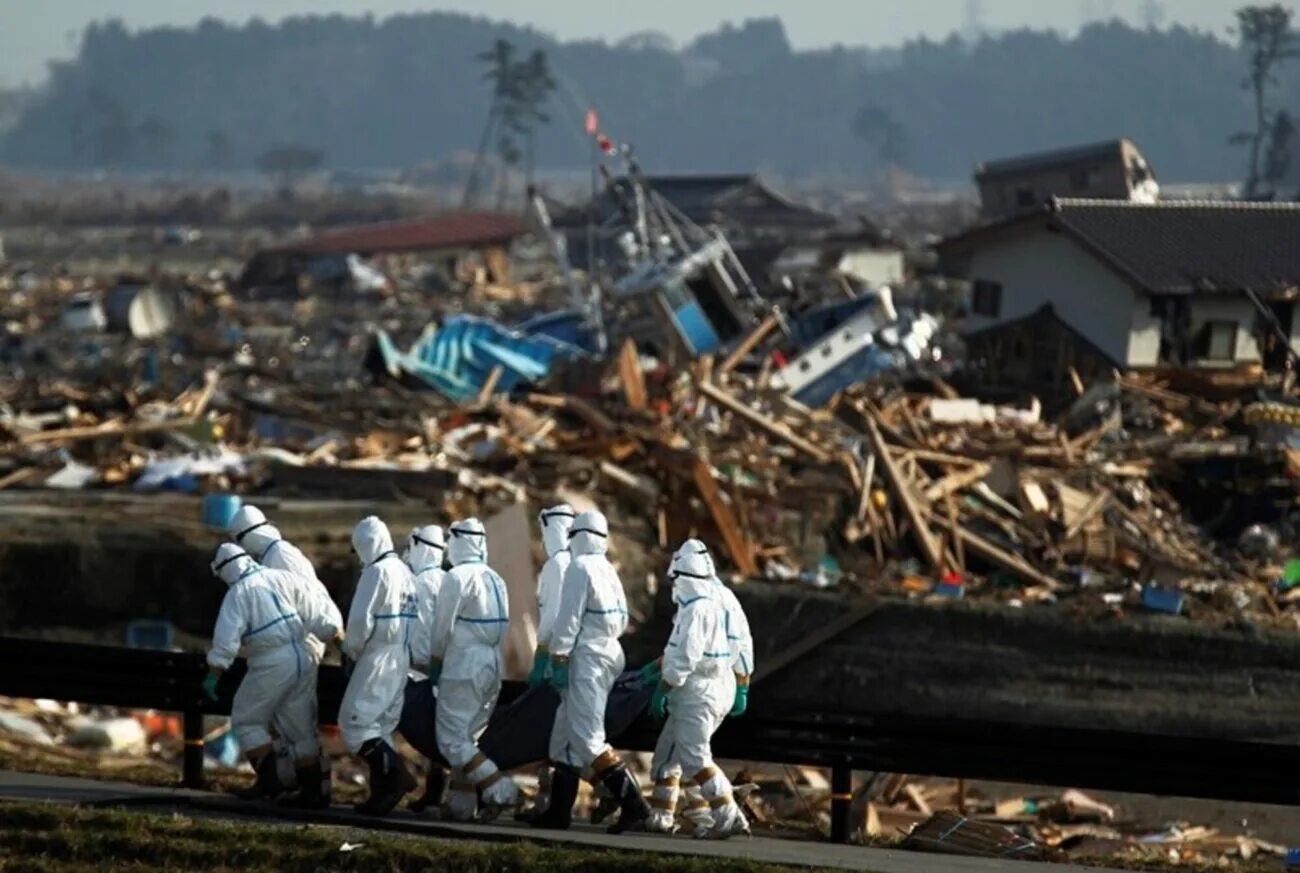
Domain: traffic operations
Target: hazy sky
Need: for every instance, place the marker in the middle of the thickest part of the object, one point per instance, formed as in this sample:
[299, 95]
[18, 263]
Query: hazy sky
[34, 31]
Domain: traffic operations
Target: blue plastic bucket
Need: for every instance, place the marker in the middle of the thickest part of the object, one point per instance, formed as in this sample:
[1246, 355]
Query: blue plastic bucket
[220, 509]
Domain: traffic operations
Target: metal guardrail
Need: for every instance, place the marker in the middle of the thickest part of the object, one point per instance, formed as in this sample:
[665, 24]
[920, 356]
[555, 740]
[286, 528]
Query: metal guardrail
[1035, 754]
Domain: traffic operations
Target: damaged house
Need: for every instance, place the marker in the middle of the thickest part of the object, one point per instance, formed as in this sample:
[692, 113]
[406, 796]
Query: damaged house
[1111, 170]
[1101, 284]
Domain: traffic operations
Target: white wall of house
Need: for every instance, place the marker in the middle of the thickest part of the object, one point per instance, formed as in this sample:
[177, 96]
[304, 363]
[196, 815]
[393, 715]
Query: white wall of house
[1236, 309]
[1036, 266]
[875, 267]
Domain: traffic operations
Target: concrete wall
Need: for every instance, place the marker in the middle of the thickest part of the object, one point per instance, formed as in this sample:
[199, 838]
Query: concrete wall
[1031, 666]
[1036, 267]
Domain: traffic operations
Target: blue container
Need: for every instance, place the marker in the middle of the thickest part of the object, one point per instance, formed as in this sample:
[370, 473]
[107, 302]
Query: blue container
[1162, 600]
[1292, 859]
[220, 509]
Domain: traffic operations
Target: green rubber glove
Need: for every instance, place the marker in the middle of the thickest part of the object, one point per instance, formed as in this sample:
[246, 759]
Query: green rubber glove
[659, 702]
[210, 686]
[560, 674]
[651, 672]
[541, 660]
[741, 702]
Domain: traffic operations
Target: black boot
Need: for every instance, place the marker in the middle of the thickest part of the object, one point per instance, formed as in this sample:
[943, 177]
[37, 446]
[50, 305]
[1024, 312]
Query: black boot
[267, 786]
[311, 789]
[559, 811]
[435, 782]
[389, 778]
[633, 809]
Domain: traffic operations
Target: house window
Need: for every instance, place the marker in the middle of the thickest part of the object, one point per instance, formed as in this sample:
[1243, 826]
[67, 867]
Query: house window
[1216, 341]
[1025, 197]
[986, 298]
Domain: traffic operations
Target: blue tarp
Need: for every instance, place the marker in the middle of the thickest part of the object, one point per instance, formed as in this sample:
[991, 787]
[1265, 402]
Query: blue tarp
[457, 358]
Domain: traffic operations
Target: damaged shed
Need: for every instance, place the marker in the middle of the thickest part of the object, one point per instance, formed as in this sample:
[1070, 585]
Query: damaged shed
[446, 237]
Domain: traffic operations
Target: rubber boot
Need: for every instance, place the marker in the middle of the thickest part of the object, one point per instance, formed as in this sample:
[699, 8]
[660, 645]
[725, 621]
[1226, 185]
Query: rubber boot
[605, 807]
[633, 809]
[311, 790]
[435, 783]
[559, 811]
[267, 786]
[389, 778]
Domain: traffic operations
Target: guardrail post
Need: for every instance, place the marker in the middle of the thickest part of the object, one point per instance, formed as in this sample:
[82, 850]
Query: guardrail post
[841, 803]
[193, 761]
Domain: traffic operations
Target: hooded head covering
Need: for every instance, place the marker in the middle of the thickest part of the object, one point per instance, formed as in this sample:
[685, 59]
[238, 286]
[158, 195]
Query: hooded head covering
[250, 529]
[589, 534]
[555, 523]
[691, 548]
[692, 578]
[371, 540]
[468, 543]
[425, 546]
[231, 563]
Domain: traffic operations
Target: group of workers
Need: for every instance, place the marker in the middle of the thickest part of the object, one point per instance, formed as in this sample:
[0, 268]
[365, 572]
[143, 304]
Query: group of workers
[410, 616]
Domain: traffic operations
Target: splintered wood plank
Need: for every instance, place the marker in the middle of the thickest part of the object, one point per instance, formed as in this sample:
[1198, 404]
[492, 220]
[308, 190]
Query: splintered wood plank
[738, 547]
[632, 376]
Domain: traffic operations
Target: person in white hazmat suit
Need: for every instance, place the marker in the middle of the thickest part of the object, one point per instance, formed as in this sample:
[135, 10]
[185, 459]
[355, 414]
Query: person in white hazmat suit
[666, 771]
[554, 524]
[251, 530]
[465, 662]
[697, 690]
[267, 613]
[381, 622]
[586, 659]
[425, 548]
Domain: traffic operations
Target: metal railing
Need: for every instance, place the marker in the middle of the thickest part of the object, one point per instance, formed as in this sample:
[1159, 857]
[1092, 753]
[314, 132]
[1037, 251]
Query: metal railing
[1010, 752]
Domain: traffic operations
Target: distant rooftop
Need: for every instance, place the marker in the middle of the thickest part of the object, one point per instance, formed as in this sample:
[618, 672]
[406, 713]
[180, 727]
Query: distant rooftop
[1175, 247]
[1040, 161]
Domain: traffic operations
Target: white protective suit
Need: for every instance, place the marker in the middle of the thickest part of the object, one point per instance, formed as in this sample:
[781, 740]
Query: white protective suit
[739, 638]
[266, 613]
[591, 618]
[263, 541]
[469, 627]
[381, 621]
[424, 553]
[697, 666]
[556, 523]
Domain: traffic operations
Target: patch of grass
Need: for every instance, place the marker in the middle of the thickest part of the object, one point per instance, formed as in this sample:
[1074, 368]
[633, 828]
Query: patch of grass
[36, 838]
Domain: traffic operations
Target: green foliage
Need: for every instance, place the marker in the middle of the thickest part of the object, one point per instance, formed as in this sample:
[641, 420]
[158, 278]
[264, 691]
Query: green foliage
[410, 89]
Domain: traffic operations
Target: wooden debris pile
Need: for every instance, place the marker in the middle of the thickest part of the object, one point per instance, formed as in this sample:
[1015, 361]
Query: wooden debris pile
[971, 819]
[915, 492]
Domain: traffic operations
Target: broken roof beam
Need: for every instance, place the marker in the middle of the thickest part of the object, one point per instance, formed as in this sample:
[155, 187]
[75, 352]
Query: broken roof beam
[773, 427]
[1013, 564]
[902, 489]
[748, 344]
[738, 545]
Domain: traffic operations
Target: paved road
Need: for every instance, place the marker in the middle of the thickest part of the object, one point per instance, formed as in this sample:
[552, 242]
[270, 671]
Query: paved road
[22, 786]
